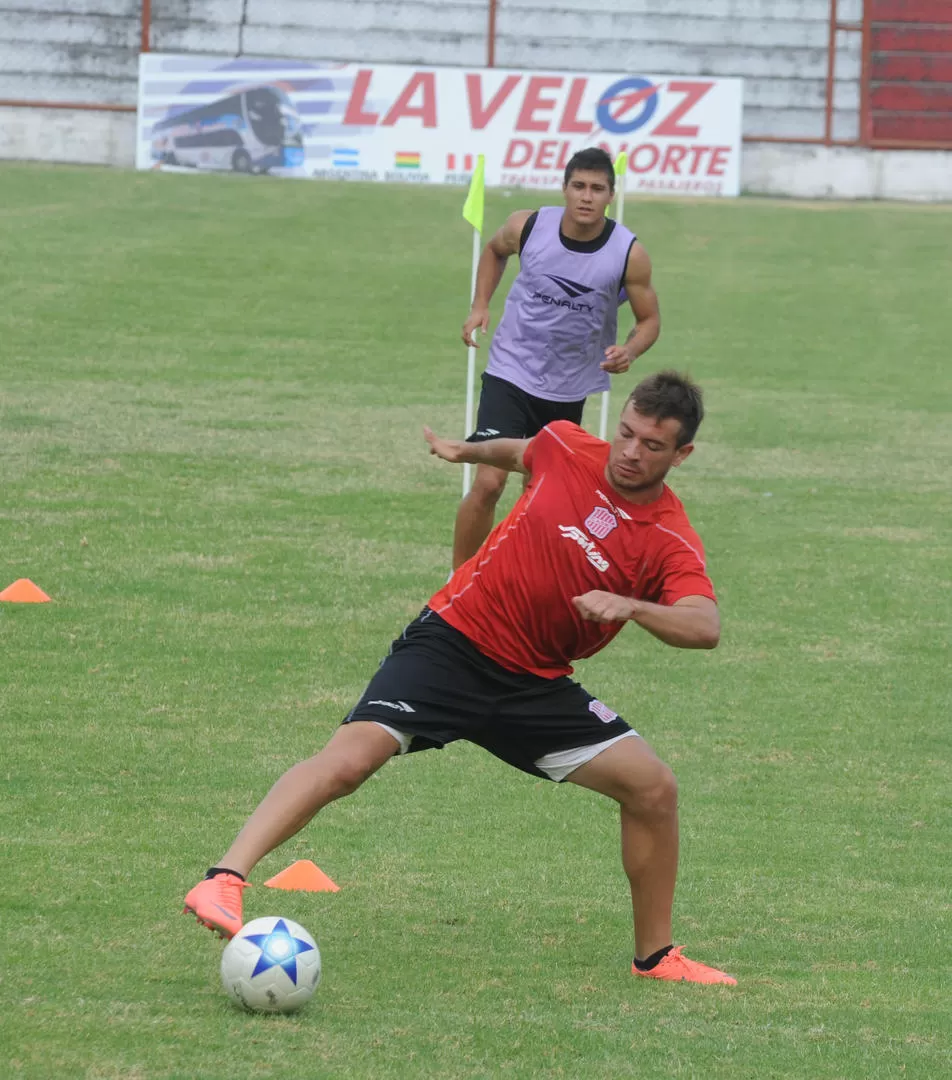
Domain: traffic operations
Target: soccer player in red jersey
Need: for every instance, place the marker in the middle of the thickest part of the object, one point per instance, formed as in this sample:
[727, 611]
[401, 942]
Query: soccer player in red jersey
[596, 540]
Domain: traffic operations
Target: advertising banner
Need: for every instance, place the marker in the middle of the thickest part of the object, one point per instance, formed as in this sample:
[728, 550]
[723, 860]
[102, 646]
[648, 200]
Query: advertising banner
[426, 124]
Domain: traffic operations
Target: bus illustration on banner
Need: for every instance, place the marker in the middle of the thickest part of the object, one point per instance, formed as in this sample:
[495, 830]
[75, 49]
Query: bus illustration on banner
[251, 131]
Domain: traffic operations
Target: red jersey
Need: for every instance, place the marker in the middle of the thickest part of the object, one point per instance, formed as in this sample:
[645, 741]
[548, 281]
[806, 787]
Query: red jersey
[569, 533]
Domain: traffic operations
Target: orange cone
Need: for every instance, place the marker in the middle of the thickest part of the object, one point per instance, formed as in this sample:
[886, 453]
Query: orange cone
[303, 876]
[24, 591]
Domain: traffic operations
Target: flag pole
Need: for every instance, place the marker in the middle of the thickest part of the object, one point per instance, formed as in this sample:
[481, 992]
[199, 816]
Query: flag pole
[473, 213]
[471, 367]
[621, 168]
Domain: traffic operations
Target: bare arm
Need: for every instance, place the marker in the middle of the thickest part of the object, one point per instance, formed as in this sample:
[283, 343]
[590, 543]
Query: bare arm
[644, 306]
[693, 622]
[502, 453]
[489, 272]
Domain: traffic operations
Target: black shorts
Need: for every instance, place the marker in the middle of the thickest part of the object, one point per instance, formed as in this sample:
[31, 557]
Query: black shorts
[506, 412]
[436, 687]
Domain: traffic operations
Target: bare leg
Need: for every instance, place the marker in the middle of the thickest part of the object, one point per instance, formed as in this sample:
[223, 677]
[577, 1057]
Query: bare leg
[354, 752]
[647, 793]
[474, 518]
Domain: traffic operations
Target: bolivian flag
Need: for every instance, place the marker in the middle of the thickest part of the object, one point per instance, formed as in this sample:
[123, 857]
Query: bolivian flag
[407, 159]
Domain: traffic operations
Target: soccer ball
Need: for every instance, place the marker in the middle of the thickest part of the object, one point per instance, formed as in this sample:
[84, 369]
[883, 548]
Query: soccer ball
[271, 965]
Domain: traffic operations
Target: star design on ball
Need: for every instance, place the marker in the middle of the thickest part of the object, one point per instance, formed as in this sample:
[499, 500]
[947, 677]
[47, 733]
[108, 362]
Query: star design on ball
[279, 948]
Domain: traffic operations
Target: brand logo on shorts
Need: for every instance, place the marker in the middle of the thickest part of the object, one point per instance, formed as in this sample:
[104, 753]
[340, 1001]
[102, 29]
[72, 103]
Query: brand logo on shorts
[487, 433]
[602, 711]
[600, 522]
[594, 556]
[400, 706]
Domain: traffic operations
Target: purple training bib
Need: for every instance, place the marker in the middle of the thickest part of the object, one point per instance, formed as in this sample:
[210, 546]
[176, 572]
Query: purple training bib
[561, 313]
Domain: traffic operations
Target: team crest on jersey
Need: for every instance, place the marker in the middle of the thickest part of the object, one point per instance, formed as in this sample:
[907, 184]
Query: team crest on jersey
[600, 522]
[602, 711]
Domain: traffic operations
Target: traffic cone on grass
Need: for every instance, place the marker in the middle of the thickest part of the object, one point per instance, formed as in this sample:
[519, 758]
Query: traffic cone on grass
[303, 876]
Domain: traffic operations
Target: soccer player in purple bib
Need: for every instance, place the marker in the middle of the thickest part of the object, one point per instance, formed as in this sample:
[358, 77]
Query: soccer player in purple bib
[555, 344]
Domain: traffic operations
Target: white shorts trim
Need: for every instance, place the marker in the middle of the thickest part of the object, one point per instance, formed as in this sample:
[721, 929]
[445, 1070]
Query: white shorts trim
[401, 736]
[557, 766]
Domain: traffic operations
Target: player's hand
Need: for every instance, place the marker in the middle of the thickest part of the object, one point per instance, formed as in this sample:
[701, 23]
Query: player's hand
[617, 359]
[447, 449]
[604, 607]
[478, 320]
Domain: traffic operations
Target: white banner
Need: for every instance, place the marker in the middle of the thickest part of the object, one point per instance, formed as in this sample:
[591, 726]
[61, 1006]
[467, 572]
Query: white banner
[426, 125]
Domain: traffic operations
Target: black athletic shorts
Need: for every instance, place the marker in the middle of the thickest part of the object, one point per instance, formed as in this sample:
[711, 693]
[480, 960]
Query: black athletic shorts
[436, 687]
[506, 412]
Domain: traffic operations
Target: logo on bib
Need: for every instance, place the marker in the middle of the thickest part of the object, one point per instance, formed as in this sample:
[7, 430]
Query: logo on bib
[571, 288]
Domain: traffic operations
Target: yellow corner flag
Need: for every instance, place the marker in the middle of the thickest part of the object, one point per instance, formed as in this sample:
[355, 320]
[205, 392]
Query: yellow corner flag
[621, 164]
[473, 207]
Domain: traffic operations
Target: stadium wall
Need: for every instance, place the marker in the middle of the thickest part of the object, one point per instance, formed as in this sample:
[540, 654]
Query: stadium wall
[781, 48]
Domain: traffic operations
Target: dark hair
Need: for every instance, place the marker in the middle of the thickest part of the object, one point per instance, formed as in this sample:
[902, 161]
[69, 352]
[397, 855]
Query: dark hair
[669, 394]
[593, 159]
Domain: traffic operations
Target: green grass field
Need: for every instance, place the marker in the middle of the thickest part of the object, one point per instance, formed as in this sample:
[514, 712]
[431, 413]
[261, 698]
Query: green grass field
[210, 408]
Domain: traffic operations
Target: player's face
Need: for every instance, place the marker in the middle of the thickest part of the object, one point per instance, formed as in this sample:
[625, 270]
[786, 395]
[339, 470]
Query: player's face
[587, 194]
[642, 452]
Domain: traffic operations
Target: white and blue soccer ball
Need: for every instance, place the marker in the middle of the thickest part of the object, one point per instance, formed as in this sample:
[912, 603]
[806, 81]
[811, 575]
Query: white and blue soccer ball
[271, 965]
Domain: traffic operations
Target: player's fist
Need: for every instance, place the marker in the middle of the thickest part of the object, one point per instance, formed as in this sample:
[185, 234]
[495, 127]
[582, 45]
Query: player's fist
[604, 607]
[478, 320]
[617, 360]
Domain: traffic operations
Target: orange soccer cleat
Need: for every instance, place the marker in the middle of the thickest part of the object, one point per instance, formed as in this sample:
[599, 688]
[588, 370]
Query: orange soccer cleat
[678, 968]
[216, 903]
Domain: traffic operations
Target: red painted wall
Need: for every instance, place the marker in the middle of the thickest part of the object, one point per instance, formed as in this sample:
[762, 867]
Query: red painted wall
[910, 71]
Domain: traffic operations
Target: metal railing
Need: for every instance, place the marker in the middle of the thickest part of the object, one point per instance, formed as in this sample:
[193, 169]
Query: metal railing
[827, 138]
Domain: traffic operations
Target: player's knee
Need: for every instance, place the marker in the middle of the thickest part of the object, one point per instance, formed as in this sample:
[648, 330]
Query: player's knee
[654, 797]
[345, 776]
[488, 487]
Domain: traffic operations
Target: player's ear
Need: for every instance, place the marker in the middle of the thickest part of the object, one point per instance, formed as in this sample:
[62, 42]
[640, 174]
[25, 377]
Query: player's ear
[681, 453]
